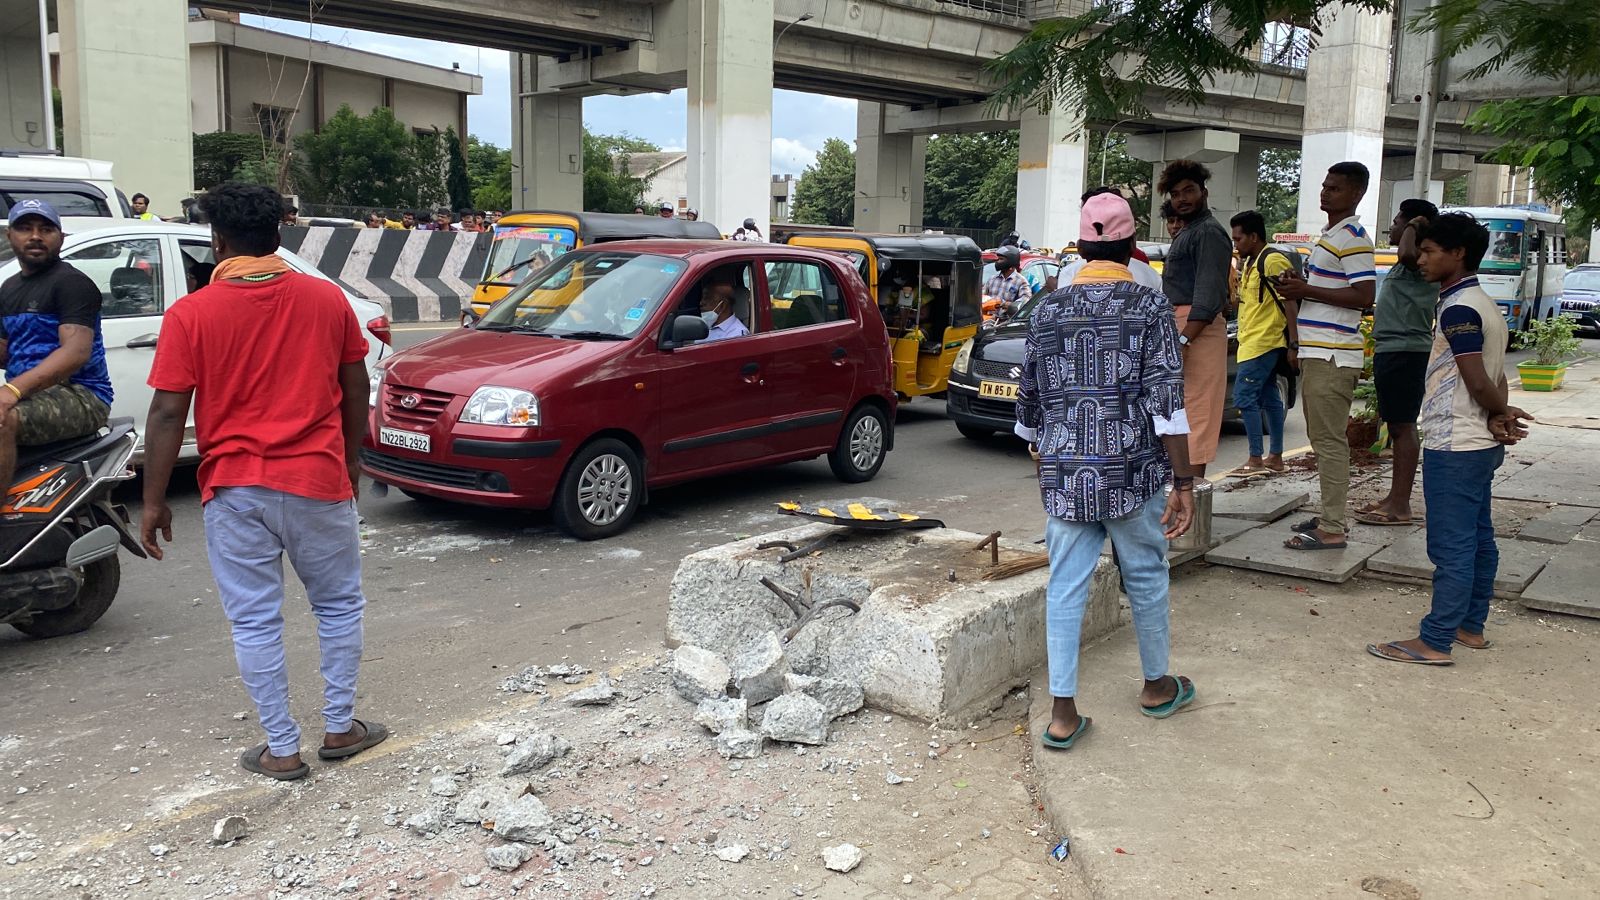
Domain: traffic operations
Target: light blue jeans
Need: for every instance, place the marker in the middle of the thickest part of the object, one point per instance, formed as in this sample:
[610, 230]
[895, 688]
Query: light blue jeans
[1141, 545]
[248, 532]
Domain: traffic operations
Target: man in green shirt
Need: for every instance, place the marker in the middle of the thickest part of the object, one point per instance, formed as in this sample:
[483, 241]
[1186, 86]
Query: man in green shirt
[1403, 328]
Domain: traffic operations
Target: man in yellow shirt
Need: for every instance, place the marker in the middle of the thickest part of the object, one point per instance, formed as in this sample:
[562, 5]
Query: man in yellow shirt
[1266, 335]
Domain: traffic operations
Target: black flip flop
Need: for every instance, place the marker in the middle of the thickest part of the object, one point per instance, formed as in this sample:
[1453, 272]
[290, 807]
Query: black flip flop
[1308, 540]
[250, 761]
[1303, 527]
[377, 733]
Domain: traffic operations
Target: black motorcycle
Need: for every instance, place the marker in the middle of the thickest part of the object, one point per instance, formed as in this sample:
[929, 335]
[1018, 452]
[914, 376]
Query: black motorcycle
[59, 533]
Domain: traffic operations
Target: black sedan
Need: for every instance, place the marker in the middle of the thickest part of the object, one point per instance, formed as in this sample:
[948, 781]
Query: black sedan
[983, 383]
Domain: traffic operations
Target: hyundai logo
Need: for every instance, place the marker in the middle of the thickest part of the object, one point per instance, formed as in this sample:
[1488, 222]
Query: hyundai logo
[1016, 372]
[410, 401]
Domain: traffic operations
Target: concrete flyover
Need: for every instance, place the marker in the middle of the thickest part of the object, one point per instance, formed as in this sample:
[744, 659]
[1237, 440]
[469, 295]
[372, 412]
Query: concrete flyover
[919, 66]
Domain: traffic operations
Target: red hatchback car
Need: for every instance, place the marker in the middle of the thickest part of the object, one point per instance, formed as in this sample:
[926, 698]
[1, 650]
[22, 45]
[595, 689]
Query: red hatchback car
[632, 365]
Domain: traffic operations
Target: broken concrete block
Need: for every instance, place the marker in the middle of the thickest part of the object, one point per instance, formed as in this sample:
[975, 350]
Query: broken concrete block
[443, 786]
[523, 819]
[842, 858]
[425, 822]
[719, 715]
[699, 674]
[740, 743]
[759, 669]
[601, 693]
[230, 828]
[733, 853]
[837, 696]
[533, 753]
[483, 803]
[507, 857]
[796, 718]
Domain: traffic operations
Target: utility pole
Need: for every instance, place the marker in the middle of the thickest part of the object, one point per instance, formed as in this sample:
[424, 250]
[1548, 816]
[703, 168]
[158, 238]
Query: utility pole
[1428, 115]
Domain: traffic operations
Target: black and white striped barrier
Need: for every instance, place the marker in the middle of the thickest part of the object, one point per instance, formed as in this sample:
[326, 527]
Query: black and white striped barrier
[418, 276]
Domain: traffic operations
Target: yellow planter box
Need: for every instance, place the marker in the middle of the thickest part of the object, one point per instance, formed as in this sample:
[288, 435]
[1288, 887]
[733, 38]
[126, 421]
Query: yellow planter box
[1541, 378]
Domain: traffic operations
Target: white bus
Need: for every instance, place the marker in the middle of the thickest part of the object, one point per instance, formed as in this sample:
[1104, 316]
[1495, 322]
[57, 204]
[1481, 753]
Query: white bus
[1526, 263]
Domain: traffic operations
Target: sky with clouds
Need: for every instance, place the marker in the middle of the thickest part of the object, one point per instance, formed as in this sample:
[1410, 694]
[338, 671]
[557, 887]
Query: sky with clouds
[800, 122]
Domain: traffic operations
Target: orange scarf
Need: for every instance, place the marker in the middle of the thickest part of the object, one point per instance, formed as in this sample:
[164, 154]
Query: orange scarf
[246, 266]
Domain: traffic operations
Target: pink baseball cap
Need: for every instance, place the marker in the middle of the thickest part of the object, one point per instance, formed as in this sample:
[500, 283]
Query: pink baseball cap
[1106, 217]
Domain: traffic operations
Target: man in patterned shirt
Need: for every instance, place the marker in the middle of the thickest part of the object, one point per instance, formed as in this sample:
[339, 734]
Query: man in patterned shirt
[1102, 400]
[1465, 424]
[1340, 284]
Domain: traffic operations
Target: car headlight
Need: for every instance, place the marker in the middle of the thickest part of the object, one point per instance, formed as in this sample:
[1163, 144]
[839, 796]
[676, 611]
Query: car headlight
[963, 358]
[374, 387]
[491, 405]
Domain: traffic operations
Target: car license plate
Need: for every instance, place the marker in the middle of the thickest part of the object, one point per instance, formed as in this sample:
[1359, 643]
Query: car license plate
[405, 440]
[1004, 390]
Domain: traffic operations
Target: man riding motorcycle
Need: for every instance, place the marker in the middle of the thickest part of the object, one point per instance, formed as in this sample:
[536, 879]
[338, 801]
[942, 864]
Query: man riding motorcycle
[57, 386]
[1005, 293]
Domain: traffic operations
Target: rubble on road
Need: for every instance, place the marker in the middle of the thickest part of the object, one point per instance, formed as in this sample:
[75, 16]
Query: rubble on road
[534, 752]
[837, 696]
[230, 829]
[797, 719]
[523, 819]
[601, 693]
[740, 743]
[843, 858]
[507, 857]
[699, 674]
[759, 670]
[719, 715]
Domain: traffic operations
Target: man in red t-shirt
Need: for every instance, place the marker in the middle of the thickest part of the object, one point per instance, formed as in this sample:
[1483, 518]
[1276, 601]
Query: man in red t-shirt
[274, 364]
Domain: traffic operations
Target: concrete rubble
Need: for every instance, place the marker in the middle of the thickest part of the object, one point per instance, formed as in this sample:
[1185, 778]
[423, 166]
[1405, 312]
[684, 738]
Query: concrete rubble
[740, 743]
[523, 819]
[534, 752]
[484, 802]
[507, 857]
[229, 829]
[759, 670]
[699, 674]
[797, 719]
[842, 858]
[601, 693]
[837, 696]
[719, 715]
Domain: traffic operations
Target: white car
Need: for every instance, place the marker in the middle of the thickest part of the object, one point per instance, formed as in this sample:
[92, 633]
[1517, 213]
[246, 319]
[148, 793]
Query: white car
[142, 268]
[81, 190]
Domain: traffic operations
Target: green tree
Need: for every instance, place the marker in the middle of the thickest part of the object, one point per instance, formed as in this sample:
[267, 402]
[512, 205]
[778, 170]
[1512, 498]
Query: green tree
[1559, 138]
[456, 183]
[425, 187]
[230, 156]
[1278, 189]
[358, 161]
[489, 170]
[1133, 177]
[970, 180]
[826, 191]
[607, 186]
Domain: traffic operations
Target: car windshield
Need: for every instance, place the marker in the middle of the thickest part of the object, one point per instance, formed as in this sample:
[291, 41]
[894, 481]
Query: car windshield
[520, 250]
[1586, 280]
[590, 295]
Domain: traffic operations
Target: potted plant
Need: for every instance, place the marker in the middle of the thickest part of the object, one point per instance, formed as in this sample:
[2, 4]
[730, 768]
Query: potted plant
[1553, 343]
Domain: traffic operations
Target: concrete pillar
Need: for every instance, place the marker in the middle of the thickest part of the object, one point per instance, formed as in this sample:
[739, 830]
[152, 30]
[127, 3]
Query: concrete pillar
[1398, 183]
[1347, 96]
[1484, 185]
[546, 142]
[919, 183]
[1051, 158]
[1234, 181]
[730, 110]
[886, 171]
[125, 94]
[25, 113]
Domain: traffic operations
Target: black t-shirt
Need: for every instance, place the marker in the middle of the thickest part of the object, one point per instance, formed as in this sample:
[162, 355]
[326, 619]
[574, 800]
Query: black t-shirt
[32, 310]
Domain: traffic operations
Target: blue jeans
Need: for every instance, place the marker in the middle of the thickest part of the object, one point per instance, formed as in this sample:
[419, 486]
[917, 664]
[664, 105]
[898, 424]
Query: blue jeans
[248, 532]
[1456, 488]
[1255, 393]
[1074, 547]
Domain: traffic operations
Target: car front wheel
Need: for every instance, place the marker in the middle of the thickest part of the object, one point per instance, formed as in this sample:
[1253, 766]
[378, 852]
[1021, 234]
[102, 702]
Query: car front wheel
[863, 441]
[601, 491]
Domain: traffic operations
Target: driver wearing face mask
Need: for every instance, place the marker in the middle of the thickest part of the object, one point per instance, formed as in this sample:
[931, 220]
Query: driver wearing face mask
[716, 306]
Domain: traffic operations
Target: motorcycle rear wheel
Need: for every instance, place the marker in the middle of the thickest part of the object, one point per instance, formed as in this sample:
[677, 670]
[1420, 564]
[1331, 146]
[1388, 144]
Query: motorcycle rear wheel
[100, 582]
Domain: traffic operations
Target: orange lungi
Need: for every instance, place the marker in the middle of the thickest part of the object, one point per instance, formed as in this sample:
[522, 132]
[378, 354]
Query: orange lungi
[1205, 385]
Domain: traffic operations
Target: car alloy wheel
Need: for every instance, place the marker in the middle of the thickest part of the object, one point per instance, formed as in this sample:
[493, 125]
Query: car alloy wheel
[605, 488]
[866, 443]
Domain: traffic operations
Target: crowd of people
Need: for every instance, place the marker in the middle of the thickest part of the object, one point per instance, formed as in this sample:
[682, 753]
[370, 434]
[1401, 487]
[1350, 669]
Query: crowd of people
[1123, 384]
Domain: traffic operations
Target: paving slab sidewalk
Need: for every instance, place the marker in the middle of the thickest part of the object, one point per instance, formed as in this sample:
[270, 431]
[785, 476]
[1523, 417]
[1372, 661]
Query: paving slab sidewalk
[1306, 765]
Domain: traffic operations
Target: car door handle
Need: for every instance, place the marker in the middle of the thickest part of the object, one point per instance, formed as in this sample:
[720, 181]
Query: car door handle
[749, 369]
[142, 342]
[840, 353]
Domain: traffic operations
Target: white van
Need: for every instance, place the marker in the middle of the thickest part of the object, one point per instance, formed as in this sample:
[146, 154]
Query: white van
[81, 190]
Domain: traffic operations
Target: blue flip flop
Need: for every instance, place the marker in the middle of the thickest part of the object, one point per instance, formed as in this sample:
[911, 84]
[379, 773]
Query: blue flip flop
[1410, 656]
[1184, 697]
[1055, 743]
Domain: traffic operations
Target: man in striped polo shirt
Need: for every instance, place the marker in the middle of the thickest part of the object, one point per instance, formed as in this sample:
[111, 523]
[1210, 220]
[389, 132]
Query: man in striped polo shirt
[1465, 424]
[1340, 285]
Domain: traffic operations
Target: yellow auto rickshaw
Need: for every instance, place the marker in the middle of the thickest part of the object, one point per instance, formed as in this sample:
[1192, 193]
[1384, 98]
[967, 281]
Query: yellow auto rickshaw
[927, 288]
[525, 242]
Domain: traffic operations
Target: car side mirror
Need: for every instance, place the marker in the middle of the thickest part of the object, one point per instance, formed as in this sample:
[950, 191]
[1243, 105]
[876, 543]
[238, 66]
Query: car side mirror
[688, 329]
[469, 318]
